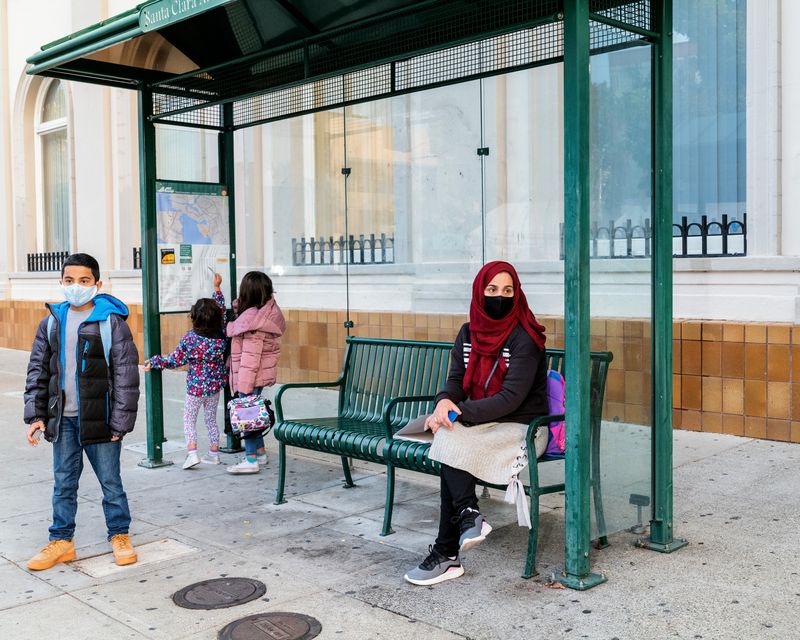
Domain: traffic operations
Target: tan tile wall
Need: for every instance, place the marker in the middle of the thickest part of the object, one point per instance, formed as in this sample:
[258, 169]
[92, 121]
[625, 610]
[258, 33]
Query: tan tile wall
[742, 379]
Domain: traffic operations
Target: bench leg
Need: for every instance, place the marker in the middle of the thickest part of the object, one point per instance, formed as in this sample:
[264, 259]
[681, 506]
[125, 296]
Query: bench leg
[387, 509]
[533, 534]
[597, 494]
[281, 473]
[348, 479]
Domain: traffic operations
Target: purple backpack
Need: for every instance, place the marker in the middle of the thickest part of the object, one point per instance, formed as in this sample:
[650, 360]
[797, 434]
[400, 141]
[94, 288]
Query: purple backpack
[557, 440]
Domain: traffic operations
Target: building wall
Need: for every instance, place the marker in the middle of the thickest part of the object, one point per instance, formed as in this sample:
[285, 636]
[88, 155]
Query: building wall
[728, 377]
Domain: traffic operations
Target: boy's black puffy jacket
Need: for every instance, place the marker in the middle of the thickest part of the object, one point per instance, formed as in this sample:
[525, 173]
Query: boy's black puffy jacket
[108, 396]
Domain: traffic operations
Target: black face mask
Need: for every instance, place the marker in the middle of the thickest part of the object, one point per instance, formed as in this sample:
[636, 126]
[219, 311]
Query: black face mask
[497, 307]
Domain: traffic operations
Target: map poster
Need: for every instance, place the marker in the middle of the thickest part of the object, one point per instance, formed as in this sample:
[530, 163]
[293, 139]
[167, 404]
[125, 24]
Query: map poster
[193, 243]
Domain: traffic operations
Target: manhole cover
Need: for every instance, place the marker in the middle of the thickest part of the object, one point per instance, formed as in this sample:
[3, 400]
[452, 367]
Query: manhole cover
[272, 626]
[219, 593]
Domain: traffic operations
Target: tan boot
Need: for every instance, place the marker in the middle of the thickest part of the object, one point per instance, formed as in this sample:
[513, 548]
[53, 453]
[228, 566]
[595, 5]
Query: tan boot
[56, 551]
[123, 549]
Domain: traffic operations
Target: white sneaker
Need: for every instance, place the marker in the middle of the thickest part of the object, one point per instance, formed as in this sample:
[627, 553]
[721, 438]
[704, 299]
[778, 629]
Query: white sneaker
[262, 459]
[192, 460]
[210, 458]
[244, 467]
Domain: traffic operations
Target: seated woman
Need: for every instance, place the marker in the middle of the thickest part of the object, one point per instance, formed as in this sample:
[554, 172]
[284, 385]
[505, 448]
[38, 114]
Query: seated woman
[497, 383]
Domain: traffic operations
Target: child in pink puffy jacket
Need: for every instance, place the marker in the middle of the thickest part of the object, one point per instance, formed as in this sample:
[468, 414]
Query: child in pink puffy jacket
[255, 349]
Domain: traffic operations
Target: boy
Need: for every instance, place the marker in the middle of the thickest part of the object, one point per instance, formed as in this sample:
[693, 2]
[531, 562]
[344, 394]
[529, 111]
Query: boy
[82, 392]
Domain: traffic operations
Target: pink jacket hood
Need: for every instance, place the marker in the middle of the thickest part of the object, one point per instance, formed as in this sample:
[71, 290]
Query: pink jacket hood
[268, 319]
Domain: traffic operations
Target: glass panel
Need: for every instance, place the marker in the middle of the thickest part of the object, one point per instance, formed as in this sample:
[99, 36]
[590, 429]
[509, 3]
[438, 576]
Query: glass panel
[303, 204]
[55, 102]
[185, 154]
[414, 194]
[524, 173]
[444, 182]
[524, 201]
[55, 191]
[709, 116]
[621, 202]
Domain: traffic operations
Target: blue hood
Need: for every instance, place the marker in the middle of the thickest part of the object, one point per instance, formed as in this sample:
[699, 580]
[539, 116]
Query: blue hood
[104, 305]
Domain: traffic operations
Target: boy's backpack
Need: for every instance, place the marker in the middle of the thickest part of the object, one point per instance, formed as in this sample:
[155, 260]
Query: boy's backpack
[556, 399]
[105, 335]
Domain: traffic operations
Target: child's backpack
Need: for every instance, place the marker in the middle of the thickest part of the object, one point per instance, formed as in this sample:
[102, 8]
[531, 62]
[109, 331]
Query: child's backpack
[105, 335]
[250, 413]
[556, 399]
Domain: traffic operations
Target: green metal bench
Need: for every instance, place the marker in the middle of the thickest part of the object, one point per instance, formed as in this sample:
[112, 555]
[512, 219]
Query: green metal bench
[386, 383]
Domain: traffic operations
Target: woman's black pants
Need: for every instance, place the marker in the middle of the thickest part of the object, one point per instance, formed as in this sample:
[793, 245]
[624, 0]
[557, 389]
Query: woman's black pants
[458, 493]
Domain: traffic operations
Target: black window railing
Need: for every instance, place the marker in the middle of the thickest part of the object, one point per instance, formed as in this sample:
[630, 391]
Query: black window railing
[703, 239]
[47, 261]
[137, 257]
[364, 249]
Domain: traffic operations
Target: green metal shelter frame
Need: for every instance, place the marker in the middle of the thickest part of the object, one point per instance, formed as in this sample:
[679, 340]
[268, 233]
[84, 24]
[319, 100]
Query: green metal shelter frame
[275, 59]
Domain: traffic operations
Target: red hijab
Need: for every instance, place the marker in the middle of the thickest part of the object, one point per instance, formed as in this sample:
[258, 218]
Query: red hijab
[489, 336]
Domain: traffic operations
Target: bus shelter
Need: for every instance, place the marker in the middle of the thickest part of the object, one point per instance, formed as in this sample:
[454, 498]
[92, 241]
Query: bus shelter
[226, 65]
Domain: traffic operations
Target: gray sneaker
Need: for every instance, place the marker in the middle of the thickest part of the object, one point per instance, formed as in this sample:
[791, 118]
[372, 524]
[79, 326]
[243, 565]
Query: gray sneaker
[474, 528]
[434, 569]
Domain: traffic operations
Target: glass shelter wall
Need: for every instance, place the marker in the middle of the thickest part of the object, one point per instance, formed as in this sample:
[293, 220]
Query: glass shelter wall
[379, 215]
[621, 205]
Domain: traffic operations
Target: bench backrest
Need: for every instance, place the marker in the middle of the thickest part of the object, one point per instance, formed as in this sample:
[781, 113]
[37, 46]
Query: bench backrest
[600, 361]
[377, 370]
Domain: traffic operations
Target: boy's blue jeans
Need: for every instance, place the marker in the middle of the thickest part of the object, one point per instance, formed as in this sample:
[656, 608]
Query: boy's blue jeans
[67, 468]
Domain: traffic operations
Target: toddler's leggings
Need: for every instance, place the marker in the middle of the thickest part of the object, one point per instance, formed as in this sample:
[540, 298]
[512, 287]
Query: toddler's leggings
[190, 410]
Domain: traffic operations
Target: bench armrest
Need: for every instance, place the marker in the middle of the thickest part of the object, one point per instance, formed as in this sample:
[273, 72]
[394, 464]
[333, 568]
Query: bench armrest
[298, 385]
[538, 422]
[389, 407]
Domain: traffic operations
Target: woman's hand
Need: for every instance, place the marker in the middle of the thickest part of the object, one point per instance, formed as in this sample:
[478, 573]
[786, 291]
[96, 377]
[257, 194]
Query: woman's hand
[439, 417]
[217, 281]
[147, 366]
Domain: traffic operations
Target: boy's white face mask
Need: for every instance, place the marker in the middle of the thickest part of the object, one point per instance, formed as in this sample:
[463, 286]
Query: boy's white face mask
[78, 295]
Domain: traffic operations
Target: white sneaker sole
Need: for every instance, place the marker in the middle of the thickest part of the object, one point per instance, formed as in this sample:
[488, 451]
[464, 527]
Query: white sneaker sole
[450, 574]
[240, 472]
[189, 466]
[468, 544]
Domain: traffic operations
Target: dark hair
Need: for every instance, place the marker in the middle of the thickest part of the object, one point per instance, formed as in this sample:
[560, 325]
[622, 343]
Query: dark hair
[82, 260]
[206, 318]
[255, 290]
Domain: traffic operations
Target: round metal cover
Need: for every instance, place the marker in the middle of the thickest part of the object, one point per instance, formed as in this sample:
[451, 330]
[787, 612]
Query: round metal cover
[272, 626]
[219, 593]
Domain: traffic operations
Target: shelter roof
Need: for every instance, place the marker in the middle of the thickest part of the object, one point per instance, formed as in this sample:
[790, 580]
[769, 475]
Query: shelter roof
[276, 58]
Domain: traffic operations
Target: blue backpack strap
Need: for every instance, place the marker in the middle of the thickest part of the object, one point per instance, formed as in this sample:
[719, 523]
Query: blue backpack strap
[50, 321]
[105, 338]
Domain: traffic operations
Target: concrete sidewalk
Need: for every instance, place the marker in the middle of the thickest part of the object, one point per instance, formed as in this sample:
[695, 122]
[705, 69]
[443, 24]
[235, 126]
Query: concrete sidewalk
[320, 554]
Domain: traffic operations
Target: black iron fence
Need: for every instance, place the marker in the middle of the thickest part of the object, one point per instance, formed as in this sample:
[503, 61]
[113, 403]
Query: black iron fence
[364, 249]
[137, 257]
[48, 261]
[704, 239]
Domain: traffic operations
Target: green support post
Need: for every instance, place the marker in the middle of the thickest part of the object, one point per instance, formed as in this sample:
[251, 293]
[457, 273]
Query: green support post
[152, 322]
[577, 563]
[226, 177]
[661, 529]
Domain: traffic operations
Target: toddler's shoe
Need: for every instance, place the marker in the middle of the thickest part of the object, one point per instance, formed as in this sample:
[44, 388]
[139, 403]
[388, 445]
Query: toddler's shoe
[56, 551]
[123, 550]
[192, 460]
[262, 458]
[210, 458]
[244, 467]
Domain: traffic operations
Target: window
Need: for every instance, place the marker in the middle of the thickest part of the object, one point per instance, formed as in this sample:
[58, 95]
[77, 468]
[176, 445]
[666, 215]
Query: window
[54, 183]
[709, 109]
